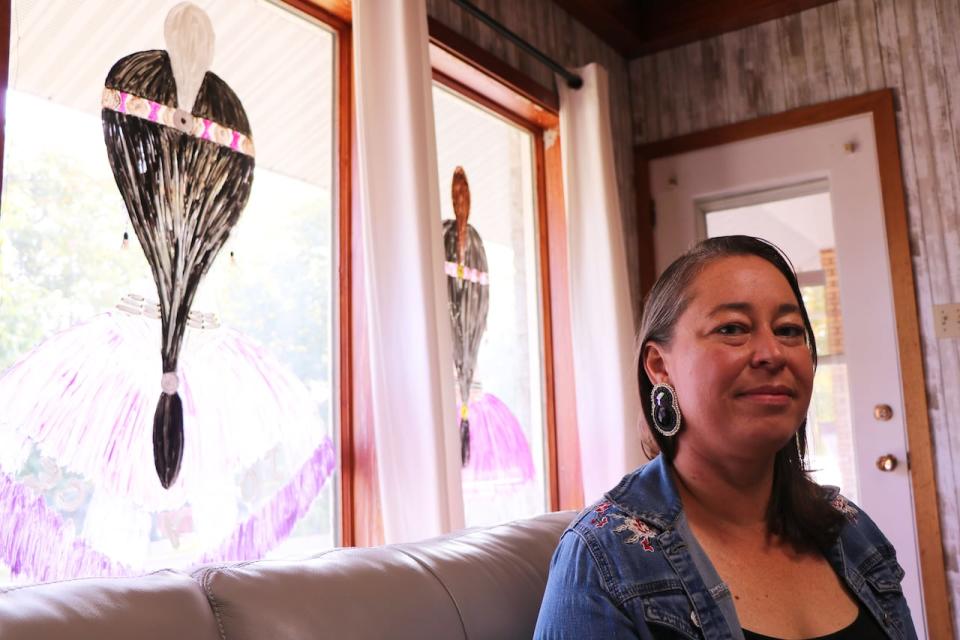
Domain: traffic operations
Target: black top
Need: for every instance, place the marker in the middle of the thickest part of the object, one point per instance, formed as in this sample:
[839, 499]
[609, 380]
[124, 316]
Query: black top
[863, 628]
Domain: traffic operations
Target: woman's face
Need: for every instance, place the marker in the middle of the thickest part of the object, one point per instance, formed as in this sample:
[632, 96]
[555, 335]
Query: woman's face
[738, 360]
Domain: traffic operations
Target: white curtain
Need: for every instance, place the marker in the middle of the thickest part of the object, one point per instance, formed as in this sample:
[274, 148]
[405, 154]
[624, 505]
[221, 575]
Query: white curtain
[608, 404]
[414, 405]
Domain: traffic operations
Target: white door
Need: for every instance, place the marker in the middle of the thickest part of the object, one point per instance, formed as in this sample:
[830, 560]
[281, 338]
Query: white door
[815, 192]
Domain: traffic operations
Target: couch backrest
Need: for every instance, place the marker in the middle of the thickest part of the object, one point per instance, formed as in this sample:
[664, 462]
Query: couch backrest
[159, 606]
[478, 583]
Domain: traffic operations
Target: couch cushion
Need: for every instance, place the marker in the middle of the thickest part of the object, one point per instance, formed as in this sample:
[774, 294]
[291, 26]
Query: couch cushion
[497, 575]
[158, 606]
[346, 593]
[478, 583]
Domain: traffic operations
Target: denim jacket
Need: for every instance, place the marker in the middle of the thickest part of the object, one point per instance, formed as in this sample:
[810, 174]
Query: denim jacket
[628, 567]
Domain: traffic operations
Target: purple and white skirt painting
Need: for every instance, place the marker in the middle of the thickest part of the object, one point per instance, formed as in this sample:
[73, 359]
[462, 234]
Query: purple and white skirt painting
[77, 486]
[499, 482]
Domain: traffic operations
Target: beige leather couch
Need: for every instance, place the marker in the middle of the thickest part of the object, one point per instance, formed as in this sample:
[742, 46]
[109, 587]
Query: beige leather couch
[478, 583]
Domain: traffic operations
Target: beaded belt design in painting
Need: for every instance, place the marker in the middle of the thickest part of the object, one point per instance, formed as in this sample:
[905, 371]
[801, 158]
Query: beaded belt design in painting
[202, 128]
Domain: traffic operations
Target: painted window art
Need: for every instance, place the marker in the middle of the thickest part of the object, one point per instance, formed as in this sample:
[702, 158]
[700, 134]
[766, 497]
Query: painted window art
[82, 341]
[487, 202]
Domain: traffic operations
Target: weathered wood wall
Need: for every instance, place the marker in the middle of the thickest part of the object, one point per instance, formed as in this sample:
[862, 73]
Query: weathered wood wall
[838, 50]
[553, 31]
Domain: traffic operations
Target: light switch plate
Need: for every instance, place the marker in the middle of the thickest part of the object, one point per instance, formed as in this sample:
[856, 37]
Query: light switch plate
[947, 320]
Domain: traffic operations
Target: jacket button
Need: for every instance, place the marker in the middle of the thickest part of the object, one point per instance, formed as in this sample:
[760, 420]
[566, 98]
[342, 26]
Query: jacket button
[886, 619]
[694, 619]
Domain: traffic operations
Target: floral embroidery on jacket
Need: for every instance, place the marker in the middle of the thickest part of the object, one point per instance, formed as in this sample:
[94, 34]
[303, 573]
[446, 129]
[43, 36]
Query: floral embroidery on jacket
[840, 504]
[600, 520]
[639, 531]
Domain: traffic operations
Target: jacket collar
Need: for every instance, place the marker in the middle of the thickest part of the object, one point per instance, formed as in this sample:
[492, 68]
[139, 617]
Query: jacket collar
[649, 493]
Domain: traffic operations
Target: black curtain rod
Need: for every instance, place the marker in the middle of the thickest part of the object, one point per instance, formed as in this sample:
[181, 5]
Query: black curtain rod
[573, 80]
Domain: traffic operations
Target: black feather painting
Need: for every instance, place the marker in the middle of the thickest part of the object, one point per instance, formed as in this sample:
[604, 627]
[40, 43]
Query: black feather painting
[180, 147]
[468, 295]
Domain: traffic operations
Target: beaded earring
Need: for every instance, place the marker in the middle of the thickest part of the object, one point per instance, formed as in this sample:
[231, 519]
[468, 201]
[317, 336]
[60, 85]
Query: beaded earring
[665, 411]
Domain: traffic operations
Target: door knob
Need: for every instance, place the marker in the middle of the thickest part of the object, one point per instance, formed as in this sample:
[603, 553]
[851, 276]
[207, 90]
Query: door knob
[887, 462]
[883, 412]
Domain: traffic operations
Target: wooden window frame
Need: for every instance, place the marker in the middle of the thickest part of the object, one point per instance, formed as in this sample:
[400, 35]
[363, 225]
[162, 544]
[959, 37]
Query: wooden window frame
[473, 73]
[336, 16]
[880, 105]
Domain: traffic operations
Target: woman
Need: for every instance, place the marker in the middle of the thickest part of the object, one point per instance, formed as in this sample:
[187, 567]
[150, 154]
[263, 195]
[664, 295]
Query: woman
[723, 535]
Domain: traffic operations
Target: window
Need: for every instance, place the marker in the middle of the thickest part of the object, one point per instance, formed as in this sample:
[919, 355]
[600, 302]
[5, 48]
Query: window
[523, 454]
[505, 476]
[79, 335]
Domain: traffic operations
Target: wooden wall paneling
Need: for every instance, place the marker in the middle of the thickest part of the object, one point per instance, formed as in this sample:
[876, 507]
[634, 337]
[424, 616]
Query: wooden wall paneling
[887, 42]
[947, 384]
[866, 25]
[794, 61]
[852, 47]
[768, 64]
[904, 67]
[739, 99]
[834, 55]
[910, 46]
[935, 85]
[681, 95]
[714, 86]
[668, 99]
[948, 12]
[694, 98]
[738, 76]
[557, 23]
[815, 80]
[649, 90]
[639, 110]
[941, 236]
[645, 222]
[889, 49]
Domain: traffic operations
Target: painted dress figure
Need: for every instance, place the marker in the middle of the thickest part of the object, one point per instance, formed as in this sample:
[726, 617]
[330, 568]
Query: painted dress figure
[494, 449]
[468, 295]
[79, 407]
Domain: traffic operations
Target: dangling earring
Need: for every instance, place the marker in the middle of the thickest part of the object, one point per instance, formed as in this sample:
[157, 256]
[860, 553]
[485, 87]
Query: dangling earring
[796, 438]
[665, 410]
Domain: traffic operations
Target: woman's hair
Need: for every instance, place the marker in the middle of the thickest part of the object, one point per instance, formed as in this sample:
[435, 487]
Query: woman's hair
[798, 511]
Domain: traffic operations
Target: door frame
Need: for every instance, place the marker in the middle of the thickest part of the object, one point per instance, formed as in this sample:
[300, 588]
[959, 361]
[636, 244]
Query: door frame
[880, 104]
